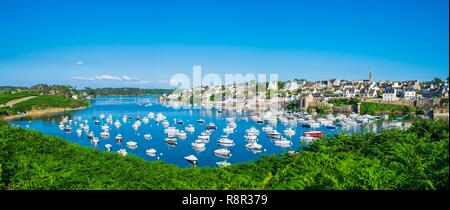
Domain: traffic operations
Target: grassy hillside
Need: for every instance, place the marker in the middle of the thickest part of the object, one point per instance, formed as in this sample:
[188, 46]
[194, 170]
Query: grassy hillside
[42, 102]
[394, 159]
[4, 98]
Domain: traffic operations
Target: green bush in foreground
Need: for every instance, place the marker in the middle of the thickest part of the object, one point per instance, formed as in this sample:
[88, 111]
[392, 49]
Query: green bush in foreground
[413, 159]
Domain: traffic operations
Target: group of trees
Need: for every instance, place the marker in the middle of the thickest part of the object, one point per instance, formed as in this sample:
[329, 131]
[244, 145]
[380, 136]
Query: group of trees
[379, 108]
[417, 158]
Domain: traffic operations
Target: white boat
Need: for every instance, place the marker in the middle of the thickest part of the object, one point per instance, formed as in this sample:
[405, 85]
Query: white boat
[222, 152]
[108, 147]
[147, 136]
[79, 132]
[171, 130]
[252, 131]
[250, 137]
[274, 134]
[95, 140]
[254, 146]
[267, 128]
[171, 140]
[225, 141]
[182, 134]
[150, 152]
[190, 128]
[204, 137]
[105, 127]
[283, 143]
[228, 130]
[132, 144]
[307, 139]
[117, 124]
[86, 128]
[165, 123]
[192, 159]
[119, 137]
[223, 163]
[145, 120]
[198, 144]
[102, 116]
[211, 126]
[122, 152]
[151, 115]
[289, 132]
[104, 134]
[230, 119]
[91, 134]
[200, 121]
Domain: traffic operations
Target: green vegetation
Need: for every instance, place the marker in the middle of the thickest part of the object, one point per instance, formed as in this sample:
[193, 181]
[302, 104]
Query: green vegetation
[43, 102]
[414, 159]
[4, 98]
[343, 101]
[321, 109]
[378, 108]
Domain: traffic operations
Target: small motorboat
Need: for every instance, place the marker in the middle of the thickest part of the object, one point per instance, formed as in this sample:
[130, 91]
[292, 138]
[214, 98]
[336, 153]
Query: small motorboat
[192, 159]
[119, 137]
[307, 139]
[200, 121]
[95, 140]
[145, 120]
[211, 126]
[150, 152]
[104, 134]
[331, 126]
[171, 140]
[68, 129]
[222, 152]
[225, 141]
[316, 134]
[289, 132]
[147, 136]
[283, 143]
[108, 147]
[91, 134]
[182, 134]
[250, 137]
[122, 152]
[198, 144]
[252, 131]
[79, 132]
[254, 146]
[132, 144]
[190, 128]
[180, 122]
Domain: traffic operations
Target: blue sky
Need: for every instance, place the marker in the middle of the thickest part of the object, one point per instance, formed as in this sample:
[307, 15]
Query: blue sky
[143, 43]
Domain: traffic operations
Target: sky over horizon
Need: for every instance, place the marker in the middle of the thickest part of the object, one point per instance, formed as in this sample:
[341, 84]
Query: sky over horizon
[143, 43]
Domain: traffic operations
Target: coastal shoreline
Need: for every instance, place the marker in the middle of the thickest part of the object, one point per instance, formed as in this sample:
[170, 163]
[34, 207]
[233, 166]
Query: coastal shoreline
[41, 112]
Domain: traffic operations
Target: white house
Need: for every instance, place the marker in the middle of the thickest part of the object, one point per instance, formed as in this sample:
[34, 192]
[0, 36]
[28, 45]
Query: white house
[390, 94]
[349, 92]
[408, 92]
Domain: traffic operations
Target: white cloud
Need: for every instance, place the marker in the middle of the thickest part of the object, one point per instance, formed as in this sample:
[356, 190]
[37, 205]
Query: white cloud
[104, 77]
[128, 78]
[79, 62]
[107, 77]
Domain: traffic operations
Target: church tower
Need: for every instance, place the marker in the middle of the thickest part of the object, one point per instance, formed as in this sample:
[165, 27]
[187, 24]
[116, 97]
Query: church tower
[370, 76]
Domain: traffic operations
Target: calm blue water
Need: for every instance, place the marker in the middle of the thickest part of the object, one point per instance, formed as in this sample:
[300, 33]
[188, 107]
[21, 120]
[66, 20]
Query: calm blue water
[132, 106]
